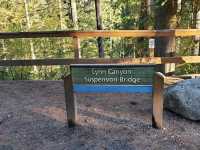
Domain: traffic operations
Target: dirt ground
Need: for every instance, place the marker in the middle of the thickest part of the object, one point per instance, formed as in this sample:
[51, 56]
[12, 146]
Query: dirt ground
[33, 117]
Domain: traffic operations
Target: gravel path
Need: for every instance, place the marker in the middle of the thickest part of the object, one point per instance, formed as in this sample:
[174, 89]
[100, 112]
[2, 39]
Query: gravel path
[32, 117]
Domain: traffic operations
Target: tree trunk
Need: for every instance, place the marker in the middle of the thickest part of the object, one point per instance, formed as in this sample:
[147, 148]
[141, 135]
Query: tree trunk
[197, 38]
[60, 4]
[144, 12]
[111, 26]
[99, 27]
[4, 49]
[144, 24]
[196, 24]
[165, 15]
[74, 18]
[28, 28]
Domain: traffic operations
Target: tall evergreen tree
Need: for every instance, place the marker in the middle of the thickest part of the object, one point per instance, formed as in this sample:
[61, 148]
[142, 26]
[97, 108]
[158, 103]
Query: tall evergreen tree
[165, 18]
[99, 26]
[196, 24]
[33, 56]
[74, 19]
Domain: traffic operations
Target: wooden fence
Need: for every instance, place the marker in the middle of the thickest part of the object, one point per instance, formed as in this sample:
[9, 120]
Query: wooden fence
[77, 35]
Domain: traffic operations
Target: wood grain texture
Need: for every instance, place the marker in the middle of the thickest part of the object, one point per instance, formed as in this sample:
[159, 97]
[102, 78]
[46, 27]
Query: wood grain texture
[71, 105]
[145, 60]
[151, 52]
[158, 100]
[102, 33]
[77, 48]
[172, 80]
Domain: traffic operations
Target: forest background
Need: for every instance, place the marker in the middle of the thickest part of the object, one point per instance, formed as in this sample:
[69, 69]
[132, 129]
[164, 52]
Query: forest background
[87, 15]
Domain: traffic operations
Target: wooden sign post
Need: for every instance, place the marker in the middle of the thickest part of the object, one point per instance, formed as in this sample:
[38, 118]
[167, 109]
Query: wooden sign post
[98, 78]
[70, 100]
[157, 115]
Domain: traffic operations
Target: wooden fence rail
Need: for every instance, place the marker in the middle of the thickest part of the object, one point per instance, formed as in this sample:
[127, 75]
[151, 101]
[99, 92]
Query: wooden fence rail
[102, 33]
[146, 60]
[76, 35]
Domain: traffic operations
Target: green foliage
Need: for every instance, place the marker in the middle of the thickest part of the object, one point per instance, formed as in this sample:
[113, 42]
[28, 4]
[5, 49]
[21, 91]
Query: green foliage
[188, 69]
[46, 15]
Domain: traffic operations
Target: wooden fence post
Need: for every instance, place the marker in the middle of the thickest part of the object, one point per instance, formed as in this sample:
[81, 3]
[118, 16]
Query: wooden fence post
[71, 106]
[158, 89]
[77, 47]
[151, 47]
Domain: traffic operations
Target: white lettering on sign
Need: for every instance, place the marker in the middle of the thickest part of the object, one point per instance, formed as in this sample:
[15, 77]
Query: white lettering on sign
[130, 80]
[98, 72]
[96, 80]
[120, 72]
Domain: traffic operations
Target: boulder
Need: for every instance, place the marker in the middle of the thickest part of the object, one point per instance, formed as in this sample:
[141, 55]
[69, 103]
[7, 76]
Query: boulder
[183, 98]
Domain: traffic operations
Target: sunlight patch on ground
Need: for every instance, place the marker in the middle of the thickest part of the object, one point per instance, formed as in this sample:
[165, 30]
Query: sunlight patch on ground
[52, 112]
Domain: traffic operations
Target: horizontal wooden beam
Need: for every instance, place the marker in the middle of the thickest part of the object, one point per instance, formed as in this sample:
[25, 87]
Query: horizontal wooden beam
[187, 32]
[171, 80]
[102, 33]
[147, 60]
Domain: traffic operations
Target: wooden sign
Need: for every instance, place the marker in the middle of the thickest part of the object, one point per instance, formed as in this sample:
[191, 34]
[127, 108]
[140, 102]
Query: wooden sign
[112, 78]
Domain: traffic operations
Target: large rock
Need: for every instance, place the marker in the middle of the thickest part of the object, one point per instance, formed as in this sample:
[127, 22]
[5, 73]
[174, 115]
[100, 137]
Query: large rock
[183, 98]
